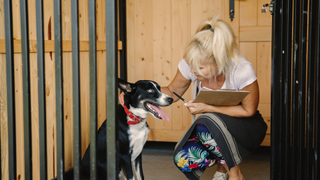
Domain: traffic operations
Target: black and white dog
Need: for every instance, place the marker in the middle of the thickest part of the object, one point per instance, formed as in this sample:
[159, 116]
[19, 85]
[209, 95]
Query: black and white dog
[140, 99]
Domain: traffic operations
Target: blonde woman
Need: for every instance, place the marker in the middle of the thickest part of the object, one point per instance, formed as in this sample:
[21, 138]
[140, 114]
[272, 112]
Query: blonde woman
[222, 135]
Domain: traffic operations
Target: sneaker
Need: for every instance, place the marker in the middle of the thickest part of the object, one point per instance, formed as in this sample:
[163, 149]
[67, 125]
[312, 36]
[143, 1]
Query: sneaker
[220, 176]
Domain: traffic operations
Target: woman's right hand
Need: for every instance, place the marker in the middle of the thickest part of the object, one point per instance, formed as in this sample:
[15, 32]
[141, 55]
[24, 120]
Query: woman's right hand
[121, 98]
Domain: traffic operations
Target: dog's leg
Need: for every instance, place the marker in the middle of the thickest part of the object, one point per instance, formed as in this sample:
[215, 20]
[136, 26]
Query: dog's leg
[126, 167]
[137, 165]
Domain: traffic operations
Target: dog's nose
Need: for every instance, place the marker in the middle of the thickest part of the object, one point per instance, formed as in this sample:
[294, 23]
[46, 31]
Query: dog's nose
[169, 100]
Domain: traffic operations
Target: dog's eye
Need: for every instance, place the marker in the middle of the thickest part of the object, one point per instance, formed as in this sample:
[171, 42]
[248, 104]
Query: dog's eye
[151, 90]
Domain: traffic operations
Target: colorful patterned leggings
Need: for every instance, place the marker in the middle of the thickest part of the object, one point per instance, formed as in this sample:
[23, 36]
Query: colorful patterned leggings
[199, 152]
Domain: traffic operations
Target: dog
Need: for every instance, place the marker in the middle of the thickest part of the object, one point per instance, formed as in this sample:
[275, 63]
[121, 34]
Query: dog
[140, 99]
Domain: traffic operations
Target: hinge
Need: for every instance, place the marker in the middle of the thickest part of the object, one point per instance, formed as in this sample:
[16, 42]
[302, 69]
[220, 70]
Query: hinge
[264, 7]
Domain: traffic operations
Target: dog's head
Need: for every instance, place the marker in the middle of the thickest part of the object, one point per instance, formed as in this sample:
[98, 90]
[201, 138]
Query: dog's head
[145, 97]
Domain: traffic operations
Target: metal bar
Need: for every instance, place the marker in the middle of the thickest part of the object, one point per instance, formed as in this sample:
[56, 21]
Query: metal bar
[295, 90]
[10, 90]
[275, 99]
[112, 93]
[310, 92]
[26, 89]
[287, 86]
[93, 88]
[41, 91]
[281, 92]
[76, 90]
[317, 101]
[302, 87]
[59, 89]
[123, 39]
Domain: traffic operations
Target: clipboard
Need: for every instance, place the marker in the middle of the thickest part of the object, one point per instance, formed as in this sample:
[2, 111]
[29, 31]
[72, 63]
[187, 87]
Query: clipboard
[221, 97]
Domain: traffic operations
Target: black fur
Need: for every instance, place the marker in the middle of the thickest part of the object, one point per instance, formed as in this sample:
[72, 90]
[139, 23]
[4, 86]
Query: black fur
[136, 95]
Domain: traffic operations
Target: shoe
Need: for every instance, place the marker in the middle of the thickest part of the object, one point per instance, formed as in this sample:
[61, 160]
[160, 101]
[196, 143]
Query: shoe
[220, 176]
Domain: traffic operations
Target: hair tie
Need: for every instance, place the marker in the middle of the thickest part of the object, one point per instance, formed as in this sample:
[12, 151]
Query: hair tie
[211, 29]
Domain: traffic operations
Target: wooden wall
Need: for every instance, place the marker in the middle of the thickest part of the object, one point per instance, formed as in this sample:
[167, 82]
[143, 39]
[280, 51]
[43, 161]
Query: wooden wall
[50, 82]
[158, 31]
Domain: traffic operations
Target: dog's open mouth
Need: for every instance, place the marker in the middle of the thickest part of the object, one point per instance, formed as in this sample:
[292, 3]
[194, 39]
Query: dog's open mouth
[156, 111]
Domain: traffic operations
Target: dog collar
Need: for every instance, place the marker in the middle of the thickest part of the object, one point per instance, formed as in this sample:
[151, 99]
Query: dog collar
[136, 119]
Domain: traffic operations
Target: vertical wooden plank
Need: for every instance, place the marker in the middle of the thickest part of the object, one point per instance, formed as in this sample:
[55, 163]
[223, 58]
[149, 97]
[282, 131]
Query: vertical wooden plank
[84, 100]
[264, 71]
[101, 87]
[48, 28]
[67, 86]
[249, 51]
[4, 171]
[34, 93]
[3, 111]
[19, 116]
[162, 52]
[51, 114]
[84, 76]
[249, 13]
[196, 15]
[34, 116]
[180, 38]
[144, 39]
[68, 110]
[18, 91]
[131, 39]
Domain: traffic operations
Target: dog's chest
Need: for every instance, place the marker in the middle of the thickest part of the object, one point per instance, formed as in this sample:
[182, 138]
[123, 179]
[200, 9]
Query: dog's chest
[138, 135]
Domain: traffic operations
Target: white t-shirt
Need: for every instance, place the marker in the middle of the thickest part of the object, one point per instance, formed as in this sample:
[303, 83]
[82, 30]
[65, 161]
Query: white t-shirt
[241, 75]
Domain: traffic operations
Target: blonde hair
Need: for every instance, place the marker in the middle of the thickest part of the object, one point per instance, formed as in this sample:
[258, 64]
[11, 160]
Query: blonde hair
[213, 44]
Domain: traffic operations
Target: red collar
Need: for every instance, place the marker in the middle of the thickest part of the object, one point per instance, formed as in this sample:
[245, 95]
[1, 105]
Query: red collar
[136, 119]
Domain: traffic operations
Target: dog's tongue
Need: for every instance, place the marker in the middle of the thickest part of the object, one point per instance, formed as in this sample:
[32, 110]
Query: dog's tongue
[162, 114]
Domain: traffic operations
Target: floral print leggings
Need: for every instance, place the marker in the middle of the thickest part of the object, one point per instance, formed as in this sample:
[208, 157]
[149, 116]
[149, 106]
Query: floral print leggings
[199, 152]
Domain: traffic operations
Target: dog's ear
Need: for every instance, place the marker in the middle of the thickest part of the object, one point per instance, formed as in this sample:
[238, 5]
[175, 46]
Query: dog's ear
[125, 86]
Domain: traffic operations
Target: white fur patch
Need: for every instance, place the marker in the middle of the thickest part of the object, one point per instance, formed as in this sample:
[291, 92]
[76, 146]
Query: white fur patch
[138, 135]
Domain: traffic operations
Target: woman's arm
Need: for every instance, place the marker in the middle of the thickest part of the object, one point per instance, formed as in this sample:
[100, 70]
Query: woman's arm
[247, 108]
[178, 85]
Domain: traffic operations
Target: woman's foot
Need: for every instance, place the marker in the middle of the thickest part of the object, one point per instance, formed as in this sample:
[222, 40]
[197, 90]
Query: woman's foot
[220, 176]
[221, 173]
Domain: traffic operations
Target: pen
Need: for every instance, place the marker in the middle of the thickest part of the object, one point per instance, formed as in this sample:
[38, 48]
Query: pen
[180, 97]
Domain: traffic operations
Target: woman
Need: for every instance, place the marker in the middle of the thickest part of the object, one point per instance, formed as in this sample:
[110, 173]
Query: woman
[222, 135]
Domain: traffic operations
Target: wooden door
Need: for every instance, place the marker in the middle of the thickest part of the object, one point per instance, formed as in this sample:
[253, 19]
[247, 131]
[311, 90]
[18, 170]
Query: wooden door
[158, 32]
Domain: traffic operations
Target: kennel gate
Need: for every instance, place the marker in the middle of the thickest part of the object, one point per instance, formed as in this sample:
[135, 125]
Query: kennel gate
[295, 90]
[112, 93]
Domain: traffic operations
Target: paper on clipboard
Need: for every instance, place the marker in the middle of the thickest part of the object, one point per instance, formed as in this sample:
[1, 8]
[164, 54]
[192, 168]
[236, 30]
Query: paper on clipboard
[221, 97]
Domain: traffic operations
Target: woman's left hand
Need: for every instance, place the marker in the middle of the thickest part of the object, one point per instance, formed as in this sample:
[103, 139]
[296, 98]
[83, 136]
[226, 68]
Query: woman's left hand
[195, 108]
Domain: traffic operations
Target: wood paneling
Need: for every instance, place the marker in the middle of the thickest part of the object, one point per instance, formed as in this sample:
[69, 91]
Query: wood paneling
[158, 31]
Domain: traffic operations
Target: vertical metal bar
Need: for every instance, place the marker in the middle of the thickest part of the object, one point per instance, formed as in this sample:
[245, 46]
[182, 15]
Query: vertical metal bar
[310, 91]
[41, 91]
[302, 88]
[93, 88]
[59, 88]
[26, 89]
[275, 99]
[10, 89]
[123, 39]
[295, 88]
[76, 90]
[112, 56]
[281, 91]
[317, 101]
[287, 86]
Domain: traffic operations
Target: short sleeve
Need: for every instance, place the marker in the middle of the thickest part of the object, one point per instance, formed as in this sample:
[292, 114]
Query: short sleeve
[244, 75]
[184, 69]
